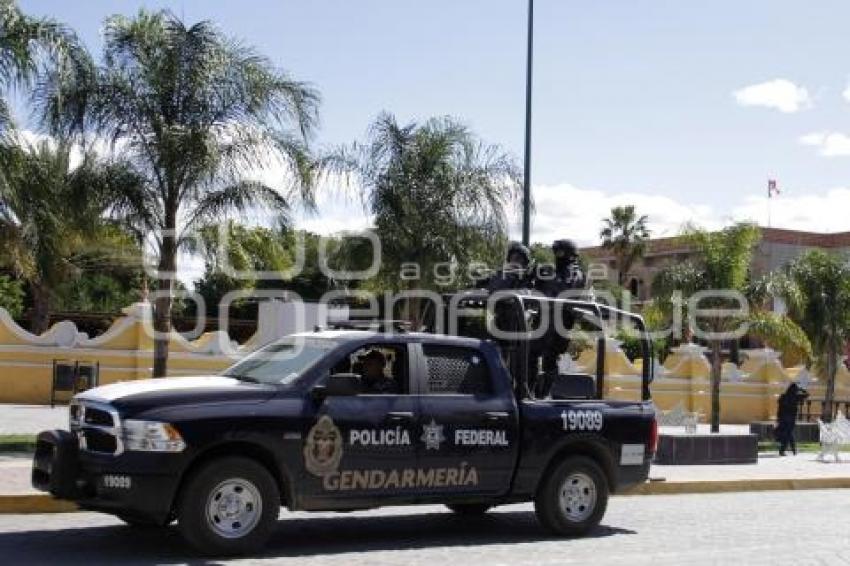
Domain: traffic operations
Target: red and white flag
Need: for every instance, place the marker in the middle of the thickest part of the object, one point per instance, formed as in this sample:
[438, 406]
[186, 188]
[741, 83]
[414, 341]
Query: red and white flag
[772, 189]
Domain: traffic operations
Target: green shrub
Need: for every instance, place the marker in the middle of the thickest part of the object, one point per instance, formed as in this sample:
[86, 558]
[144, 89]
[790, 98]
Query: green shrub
[12, 295]
[632, 348]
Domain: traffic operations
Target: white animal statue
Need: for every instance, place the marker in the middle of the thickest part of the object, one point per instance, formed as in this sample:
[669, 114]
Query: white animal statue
[833, 436]
[678, 416]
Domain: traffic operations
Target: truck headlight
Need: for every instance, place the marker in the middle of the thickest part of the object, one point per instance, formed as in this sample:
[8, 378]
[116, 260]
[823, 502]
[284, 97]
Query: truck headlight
[152, 436]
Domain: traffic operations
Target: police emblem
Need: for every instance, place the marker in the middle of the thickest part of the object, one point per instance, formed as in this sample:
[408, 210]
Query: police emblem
[323, 447]
[432, 435]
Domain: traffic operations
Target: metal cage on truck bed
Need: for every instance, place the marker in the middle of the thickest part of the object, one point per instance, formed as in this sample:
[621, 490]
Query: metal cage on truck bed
[519, 323]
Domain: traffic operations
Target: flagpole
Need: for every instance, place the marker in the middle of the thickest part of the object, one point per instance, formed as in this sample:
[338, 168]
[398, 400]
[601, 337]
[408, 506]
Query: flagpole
[771, 185]
[769, 198]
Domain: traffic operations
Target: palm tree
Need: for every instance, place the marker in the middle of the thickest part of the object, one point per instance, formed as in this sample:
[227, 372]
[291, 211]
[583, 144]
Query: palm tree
[816, 289]
[723, 265]
[625, 234]
[196, 112]
[46, 227]
[437, 193]
[26, 43]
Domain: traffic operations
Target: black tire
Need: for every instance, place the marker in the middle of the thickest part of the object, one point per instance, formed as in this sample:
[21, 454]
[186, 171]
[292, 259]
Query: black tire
[469, 509]
[583, 503]
[235, 525]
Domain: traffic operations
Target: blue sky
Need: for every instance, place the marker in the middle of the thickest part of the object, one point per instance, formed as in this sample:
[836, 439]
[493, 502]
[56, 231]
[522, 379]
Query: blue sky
[635, 101]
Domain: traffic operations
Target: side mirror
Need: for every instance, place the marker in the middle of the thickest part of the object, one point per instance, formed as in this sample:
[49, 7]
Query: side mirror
[342, 385]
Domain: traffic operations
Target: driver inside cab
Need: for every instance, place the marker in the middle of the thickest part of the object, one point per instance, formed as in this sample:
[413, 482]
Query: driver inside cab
[373, 377]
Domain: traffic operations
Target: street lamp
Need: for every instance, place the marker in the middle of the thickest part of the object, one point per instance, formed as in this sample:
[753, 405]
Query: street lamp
[526, 178]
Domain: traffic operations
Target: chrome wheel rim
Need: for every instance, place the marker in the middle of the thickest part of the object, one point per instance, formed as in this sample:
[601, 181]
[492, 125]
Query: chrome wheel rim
[578, 496]
[234, 508]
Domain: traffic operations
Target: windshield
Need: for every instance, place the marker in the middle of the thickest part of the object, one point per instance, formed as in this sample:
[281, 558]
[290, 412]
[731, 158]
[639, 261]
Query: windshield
[281, 363]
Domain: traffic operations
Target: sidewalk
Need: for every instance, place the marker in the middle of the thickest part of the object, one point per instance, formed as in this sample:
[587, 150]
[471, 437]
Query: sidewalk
[32, 419]
[770, 466]
[15, 474]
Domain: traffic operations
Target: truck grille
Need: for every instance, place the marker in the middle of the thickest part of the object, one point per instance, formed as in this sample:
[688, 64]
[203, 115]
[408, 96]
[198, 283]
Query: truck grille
[98, 417]
[100, 441]
[97, 427]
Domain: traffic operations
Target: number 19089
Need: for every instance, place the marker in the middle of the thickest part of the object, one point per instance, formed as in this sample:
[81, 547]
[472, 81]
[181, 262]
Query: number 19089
[582, 420]
[117, 482]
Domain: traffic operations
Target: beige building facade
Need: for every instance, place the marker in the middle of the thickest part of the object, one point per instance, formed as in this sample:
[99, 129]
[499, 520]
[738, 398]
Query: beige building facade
[775, 250]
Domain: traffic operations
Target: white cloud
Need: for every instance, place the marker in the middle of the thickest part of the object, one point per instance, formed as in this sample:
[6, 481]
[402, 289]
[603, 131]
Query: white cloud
[335, 213]
[100, 146]
[824, 212]
[558, 216]
[779, 94]
[846, 92]
[829, 144]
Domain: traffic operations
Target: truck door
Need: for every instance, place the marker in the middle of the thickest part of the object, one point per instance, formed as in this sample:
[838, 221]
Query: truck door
[468, 421]
[358, 446]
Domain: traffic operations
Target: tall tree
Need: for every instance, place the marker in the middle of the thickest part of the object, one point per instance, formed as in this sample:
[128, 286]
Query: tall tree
[816, 290]
[722, 264]
[195, 111]
[437, 193]
[625, 234]
[29, 44]
[46, 228]
[824, 311]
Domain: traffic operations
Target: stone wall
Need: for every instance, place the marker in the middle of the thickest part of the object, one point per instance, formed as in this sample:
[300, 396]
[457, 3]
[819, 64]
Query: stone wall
[748, 392]
[125, 351]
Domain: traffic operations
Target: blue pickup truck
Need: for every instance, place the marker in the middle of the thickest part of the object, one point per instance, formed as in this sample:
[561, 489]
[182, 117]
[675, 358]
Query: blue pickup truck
[337, 420]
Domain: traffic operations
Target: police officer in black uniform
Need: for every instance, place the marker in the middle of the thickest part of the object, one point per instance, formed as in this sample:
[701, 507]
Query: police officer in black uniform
[552, 281]
[565, 275]
[374, 378]
[516, 274]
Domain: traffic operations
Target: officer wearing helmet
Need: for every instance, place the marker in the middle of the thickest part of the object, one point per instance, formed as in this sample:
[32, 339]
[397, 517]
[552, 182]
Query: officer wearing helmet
[555, 281]
[516, 273]
[565, 275]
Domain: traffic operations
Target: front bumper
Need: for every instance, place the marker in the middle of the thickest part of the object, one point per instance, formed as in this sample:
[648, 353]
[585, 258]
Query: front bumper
[140, 485]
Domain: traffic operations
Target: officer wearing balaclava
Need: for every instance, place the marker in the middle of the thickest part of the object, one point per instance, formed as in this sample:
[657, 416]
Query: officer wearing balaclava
[566, 275]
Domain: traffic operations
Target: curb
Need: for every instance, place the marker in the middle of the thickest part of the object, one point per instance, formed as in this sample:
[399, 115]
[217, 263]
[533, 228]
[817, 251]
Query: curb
[34, 503]
[731, 486]
[43, 503]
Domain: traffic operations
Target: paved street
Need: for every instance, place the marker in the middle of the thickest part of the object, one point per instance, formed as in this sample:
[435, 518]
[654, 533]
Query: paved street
[772, 528]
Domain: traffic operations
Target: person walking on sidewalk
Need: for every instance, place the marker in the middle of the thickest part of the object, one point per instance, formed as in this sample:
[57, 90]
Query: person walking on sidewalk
[786, 416]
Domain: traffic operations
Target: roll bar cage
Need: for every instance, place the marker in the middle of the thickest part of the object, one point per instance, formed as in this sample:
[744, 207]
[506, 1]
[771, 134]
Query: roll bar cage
[521, 306]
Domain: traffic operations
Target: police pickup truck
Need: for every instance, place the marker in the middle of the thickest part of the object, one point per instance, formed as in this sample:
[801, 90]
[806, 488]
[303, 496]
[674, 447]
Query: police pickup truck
[338, 420]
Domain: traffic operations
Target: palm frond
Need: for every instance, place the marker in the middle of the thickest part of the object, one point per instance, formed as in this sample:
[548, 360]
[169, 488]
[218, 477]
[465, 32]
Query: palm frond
[238, 197]
[782, 334]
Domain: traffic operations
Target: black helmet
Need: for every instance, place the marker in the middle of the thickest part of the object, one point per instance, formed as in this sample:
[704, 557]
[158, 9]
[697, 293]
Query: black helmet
[564, 249]
[515, 248]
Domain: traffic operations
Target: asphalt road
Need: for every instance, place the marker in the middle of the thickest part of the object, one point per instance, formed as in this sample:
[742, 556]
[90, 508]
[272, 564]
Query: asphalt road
[775, 528]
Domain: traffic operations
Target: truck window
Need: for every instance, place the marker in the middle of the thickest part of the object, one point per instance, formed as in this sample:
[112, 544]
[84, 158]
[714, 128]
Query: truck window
[382, 368]
[282, 362]
[454, 370]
